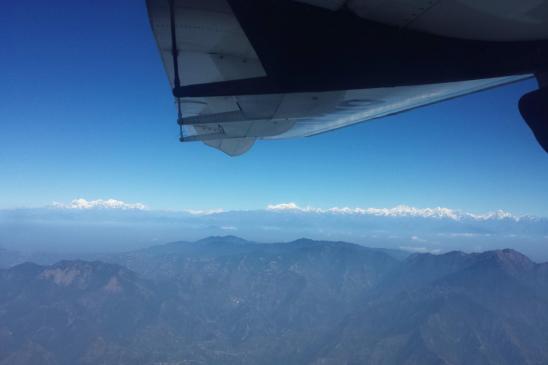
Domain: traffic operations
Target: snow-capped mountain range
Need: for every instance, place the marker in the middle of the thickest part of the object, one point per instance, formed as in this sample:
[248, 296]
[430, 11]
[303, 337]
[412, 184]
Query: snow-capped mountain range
[398, 211]
[401, 210]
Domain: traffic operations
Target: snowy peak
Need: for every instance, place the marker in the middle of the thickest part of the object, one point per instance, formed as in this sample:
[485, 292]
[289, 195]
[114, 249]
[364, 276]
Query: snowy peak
[84, 204]
[397, 211]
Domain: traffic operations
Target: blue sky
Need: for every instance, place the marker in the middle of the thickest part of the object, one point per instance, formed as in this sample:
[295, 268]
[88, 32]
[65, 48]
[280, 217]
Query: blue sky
[86, 111]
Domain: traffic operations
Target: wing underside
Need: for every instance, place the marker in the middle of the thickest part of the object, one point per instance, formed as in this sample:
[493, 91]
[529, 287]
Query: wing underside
[213, 47]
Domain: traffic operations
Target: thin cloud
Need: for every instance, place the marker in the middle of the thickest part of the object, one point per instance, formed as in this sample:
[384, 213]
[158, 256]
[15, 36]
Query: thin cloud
[204, 211]
[420, 249]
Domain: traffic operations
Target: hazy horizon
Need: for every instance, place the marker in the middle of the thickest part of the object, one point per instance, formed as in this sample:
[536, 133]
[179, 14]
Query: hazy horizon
[110, 225]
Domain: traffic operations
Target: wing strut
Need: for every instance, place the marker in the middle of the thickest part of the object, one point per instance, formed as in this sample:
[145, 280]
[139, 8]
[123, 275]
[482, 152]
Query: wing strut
[175, 55]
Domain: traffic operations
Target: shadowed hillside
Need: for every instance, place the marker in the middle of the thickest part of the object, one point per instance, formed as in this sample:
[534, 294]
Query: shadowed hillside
[224, 300]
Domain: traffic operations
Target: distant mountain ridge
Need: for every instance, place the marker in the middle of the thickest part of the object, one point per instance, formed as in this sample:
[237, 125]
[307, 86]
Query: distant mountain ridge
[106, 228]
[225, 300]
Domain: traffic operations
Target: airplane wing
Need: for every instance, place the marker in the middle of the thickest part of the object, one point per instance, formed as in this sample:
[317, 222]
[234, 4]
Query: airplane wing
[202, 42]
